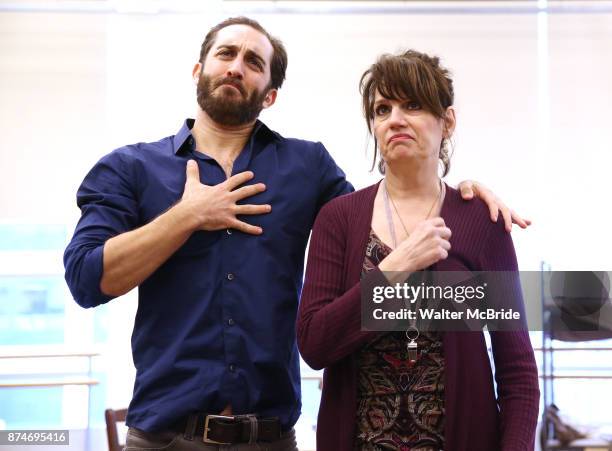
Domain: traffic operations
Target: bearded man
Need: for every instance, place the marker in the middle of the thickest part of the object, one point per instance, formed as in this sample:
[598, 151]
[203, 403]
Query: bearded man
[211, 225]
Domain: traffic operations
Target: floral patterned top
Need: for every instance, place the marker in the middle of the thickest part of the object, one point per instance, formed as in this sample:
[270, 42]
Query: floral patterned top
[400, 405]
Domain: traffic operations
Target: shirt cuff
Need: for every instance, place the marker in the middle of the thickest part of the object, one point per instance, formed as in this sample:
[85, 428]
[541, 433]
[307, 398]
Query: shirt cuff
[90, 293]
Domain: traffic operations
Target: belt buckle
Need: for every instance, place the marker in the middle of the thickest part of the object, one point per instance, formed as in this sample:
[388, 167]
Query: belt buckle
[205, 438]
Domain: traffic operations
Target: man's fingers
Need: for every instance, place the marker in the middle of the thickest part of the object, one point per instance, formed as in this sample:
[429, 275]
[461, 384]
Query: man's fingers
[487, 197]
[466, 188]
[249, 190]
[470, 188]
[238, 179]
[518, 220]
[492, 205]
[246, 228]
[253, 209]
[193, 172]
[505, 211]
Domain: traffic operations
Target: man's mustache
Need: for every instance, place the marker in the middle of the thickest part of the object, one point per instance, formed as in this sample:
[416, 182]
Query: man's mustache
[231, 81]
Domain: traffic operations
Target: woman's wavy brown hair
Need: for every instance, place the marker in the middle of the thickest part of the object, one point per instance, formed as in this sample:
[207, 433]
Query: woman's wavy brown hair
[411, 75]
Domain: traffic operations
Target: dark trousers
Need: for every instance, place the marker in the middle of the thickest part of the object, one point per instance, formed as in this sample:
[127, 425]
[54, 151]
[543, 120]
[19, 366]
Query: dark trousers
[138, 440]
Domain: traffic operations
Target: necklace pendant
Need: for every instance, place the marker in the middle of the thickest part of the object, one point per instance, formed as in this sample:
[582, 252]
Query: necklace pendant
[412, 348]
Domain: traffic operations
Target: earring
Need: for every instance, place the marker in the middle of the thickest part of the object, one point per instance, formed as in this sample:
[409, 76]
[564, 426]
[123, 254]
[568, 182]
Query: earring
[443, 148]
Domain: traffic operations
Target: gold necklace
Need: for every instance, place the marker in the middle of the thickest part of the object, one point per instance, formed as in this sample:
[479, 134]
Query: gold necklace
[388, 195]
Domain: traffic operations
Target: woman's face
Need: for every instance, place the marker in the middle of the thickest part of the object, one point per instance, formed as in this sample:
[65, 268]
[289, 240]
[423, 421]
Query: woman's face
[406, 132]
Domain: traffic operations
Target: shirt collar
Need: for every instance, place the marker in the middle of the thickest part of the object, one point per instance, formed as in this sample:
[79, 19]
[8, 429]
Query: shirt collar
[183, 140]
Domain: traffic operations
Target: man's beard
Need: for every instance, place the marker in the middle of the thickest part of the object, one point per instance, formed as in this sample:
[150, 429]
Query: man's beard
[225, 109]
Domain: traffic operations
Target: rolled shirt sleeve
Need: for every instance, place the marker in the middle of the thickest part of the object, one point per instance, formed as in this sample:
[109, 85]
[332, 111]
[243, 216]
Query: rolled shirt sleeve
[109, 207]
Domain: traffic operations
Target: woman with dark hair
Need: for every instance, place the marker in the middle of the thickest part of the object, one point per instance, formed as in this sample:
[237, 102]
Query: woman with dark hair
[375, 394]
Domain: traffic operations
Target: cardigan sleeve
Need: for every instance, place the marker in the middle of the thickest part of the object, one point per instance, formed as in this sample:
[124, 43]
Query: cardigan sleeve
[516, 371]
[329, 317]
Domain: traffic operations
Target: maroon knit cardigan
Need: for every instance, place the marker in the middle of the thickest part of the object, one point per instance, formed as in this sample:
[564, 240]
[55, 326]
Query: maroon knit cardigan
[329, 330]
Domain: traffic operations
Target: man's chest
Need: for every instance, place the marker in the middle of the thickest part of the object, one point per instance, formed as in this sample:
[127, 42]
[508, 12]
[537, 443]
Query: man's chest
[292, 190]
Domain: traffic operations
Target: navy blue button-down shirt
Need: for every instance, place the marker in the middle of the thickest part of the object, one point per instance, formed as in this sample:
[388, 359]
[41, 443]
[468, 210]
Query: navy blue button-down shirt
[216, 322]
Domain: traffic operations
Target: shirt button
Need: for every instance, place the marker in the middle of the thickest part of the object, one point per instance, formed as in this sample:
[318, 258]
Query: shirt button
[232, 368]
[230, 276]
[229, 231]
[230, 322]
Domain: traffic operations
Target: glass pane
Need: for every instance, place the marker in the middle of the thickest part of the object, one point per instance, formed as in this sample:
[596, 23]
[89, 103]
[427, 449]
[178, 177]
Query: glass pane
[31, 310]
[32, 237]
[31, 408]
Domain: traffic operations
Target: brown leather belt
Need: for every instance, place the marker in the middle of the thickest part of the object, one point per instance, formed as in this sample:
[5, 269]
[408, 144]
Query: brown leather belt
[226, 430]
